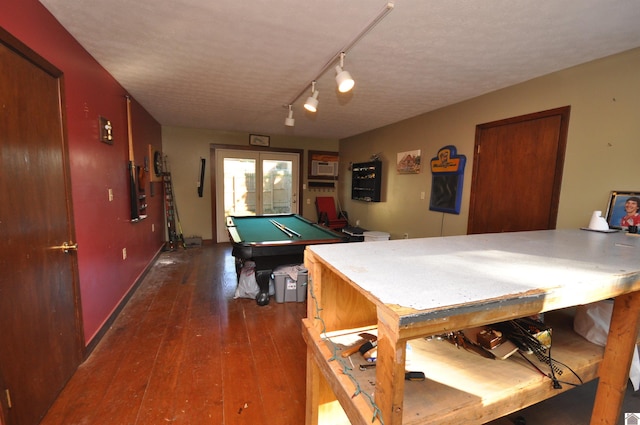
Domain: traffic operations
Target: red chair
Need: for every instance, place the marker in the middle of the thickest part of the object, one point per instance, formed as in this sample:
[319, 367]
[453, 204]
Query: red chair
[328, 215]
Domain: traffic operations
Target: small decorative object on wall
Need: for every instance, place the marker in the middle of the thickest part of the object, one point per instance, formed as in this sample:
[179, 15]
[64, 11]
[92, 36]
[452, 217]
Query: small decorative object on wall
[323, 165]
[408, 162]
[155, 168]
[447, 170]
[258, 140]
[201, 177]
[616, 210]
[105, 127]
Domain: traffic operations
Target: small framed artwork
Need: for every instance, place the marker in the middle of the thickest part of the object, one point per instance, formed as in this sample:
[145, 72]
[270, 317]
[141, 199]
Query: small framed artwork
[616, 210]
[258, 140]
[408, 162]
[106, 130]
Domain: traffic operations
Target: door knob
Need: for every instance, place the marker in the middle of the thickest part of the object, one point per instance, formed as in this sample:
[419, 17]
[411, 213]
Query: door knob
[66, 247]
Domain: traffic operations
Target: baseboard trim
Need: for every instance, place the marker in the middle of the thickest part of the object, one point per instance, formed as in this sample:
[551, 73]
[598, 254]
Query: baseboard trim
[114, 315]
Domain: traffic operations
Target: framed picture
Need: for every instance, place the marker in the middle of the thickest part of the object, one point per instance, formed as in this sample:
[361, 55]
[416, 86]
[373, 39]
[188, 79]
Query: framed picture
[323, 165]
[616, 208]
[408, 162]
[258, 140]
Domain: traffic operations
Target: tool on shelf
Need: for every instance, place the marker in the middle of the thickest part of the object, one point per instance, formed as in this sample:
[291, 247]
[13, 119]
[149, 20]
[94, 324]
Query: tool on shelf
[369, 338]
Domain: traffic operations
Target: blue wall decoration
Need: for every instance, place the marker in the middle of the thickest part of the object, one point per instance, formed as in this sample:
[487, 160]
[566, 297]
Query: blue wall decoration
[447, 170]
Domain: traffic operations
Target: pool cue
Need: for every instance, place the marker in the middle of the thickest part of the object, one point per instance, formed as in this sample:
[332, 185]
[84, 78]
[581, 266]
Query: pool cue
[292, 231]
[281, 227]
[288, 229]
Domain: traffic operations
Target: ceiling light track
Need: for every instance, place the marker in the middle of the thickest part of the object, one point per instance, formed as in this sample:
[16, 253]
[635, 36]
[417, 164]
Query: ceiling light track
[343, 78]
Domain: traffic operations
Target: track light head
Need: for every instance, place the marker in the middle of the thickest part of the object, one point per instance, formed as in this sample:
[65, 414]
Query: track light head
[312, 101]
[344, 80]
[290, 121]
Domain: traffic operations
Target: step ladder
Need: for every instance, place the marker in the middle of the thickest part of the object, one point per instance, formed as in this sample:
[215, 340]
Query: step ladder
[174, 229]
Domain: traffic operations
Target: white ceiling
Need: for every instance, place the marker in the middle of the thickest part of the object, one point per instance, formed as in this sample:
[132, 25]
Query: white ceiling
[235, 64]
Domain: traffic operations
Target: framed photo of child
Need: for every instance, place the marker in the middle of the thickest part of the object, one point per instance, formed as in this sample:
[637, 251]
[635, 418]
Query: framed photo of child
[623, 210]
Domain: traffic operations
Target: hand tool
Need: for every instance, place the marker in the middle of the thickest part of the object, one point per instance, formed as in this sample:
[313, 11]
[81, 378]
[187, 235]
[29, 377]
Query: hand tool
[409, 376]
[355, 348]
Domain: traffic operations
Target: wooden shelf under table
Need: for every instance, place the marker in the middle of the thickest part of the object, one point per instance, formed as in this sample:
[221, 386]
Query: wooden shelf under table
[461, 387]
[410, 289]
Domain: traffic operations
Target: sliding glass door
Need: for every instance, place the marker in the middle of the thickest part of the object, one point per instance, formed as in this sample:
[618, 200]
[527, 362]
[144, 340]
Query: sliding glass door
[254, 183]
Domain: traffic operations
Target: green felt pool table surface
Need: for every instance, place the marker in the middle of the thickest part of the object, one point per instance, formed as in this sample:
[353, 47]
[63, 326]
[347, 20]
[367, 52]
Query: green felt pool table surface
[258, 239]
[260, 231]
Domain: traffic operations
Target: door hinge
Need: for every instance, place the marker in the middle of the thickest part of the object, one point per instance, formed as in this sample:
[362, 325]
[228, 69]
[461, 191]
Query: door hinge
[8, 394]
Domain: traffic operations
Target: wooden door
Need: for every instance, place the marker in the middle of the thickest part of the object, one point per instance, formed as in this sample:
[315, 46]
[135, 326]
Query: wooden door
[41, 342]
[517, 173]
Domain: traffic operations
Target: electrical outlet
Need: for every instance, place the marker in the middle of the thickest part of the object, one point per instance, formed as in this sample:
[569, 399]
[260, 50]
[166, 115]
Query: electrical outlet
[124, 253]
[357, 222]
[405, 236]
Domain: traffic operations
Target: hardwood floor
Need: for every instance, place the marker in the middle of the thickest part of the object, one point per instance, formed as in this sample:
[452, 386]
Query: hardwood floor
[184, 351]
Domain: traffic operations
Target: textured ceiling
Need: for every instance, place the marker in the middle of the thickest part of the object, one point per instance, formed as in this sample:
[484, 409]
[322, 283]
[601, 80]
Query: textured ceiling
[235, 64]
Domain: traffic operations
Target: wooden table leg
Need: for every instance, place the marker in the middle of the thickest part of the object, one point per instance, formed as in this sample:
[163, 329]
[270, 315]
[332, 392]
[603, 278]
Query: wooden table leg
[614, 369]
[313, 390]
[390, 370]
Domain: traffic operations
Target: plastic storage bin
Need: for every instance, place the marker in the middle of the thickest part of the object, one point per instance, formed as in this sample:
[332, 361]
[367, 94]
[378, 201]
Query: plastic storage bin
[375, 236]
[288, 289]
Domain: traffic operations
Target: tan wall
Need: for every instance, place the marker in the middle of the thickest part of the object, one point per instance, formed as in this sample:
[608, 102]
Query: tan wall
[185, 146]
[603, 147]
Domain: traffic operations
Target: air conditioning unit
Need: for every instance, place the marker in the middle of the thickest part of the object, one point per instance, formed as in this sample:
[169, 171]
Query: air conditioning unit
[320, 168]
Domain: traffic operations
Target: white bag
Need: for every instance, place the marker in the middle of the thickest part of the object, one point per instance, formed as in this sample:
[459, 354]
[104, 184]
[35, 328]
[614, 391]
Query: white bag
[247, 284]
[592, 323]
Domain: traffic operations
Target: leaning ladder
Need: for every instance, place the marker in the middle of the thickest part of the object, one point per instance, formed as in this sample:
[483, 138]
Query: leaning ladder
[174, 229]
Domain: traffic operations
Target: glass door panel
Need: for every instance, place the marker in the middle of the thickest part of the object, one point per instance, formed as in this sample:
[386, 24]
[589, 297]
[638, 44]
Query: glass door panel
[239, 186]
[277, 187]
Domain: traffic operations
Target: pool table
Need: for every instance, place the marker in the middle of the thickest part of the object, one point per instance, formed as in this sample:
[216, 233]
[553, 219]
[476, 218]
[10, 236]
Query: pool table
[257, 238]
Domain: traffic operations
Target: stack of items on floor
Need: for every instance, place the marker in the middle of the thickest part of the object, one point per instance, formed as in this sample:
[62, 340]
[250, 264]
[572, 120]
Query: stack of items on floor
[287, 283]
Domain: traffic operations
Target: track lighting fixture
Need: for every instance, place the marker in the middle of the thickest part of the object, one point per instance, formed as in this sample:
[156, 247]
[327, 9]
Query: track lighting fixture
[312, 101]
[343, 78]
[289, 121]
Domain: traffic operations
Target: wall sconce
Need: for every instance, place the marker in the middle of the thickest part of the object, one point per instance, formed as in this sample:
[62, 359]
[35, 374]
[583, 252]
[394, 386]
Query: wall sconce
[106, 130]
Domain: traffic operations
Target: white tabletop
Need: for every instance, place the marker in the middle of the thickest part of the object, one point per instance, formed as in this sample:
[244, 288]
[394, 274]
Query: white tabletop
[428, 274]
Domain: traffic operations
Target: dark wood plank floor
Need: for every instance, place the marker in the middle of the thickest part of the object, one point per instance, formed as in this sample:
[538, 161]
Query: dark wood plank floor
[184, 351]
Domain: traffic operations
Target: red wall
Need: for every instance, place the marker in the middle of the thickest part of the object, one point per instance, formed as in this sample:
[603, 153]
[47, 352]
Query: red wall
[102, 228]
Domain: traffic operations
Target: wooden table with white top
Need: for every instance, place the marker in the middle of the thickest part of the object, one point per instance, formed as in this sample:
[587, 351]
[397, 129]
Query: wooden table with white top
[406, 290]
